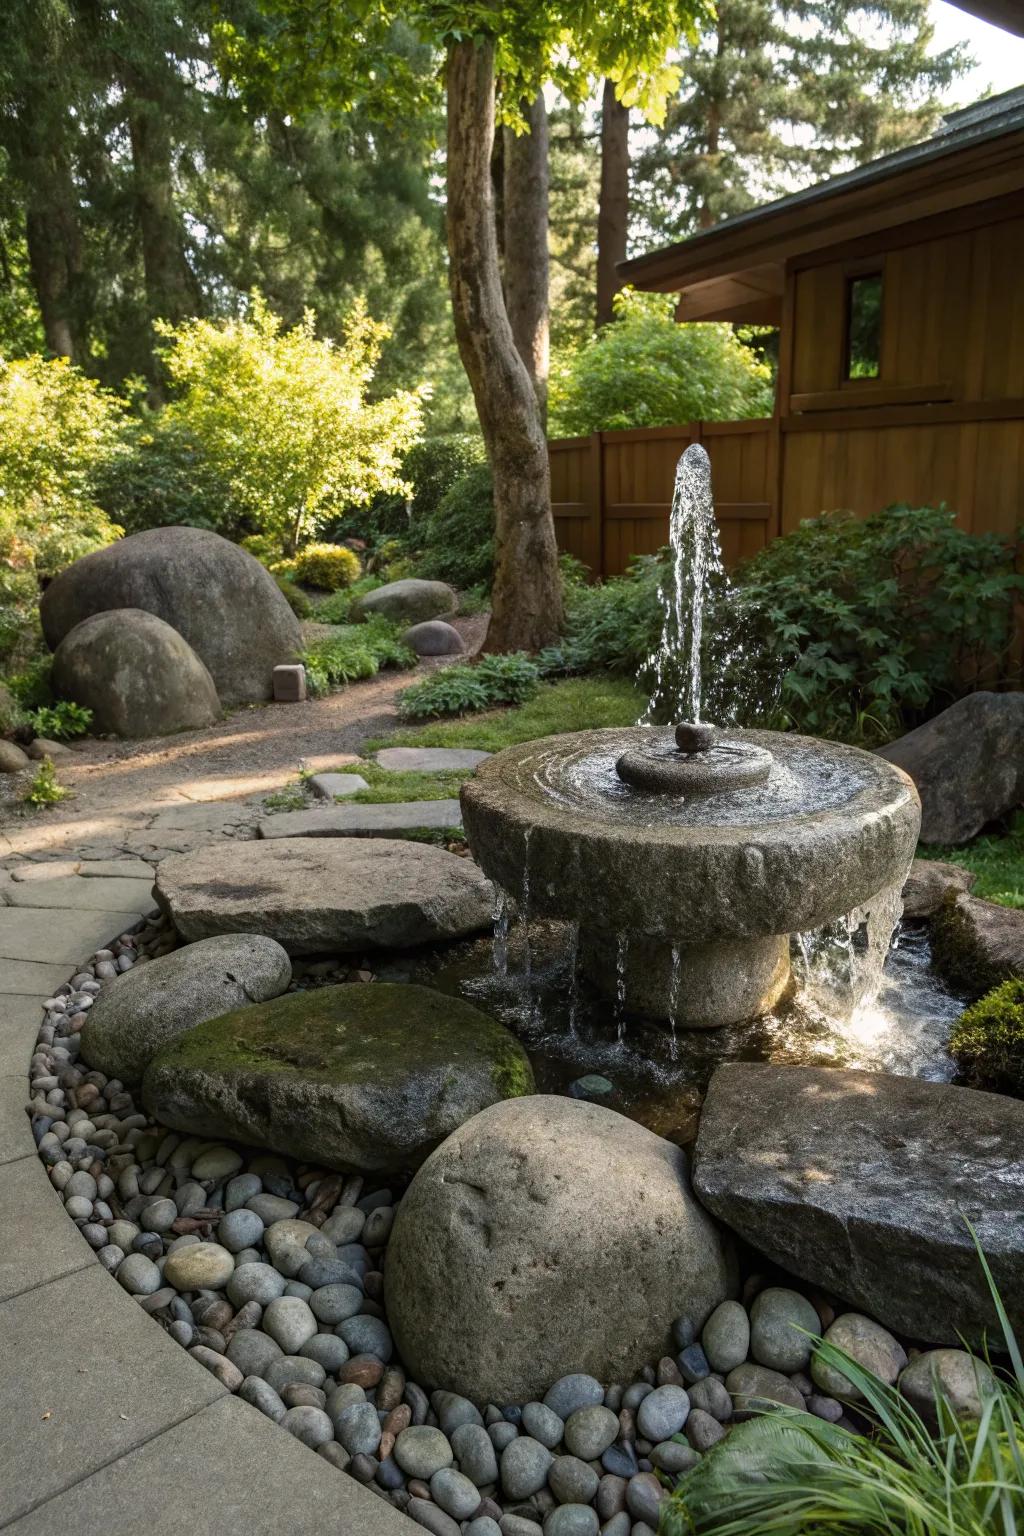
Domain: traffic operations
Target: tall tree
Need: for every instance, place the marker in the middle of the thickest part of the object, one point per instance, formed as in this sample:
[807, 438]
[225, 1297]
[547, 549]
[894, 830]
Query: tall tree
[777, 94]
[525, 243]
[613, 204]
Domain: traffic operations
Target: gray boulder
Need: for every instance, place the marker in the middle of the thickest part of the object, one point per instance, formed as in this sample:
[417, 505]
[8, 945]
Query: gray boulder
[544, 1237]
[136, 674]
[224, 603]
[977, 944]
[325, 895]
[139, 1012]
[929, 883]
[366, 1077]
[434, 638]
[12, 758]
[410, 601]
[967, 763]
[859, 1183]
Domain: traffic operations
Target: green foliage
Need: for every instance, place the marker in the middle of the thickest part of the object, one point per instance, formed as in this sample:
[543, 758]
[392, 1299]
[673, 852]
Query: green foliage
[875, 623]
[337, 608]
[57, 431]
[31, 686]
[60, 721]
[389, 786]
[297, 600]
[284, 419]
[457, 690]
[987, 1042]
[162, 478]
[435, 465]
[458, 535]
[354, 651]
[996, 859]
[791, 1474]
[328, 567]
[645, 370]
[44, 789]
[573, 704]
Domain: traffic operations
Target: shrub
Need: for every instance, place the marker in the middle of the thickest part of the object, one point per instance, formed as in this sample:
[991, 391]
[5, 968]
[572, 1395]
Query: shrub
[162, 478]
[60, 721]
[354, 651]
[987, 1042]
[459, 689]
[336, 608]
[284, 419]
[430, 469]
[44, 789]
[328, 567]
[645, 370]
[458, 536]
[294, 596]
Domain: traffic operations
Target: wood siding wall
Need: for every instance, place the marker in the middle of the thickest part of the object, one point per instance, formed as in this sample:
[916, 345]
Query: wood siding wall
[944, 422]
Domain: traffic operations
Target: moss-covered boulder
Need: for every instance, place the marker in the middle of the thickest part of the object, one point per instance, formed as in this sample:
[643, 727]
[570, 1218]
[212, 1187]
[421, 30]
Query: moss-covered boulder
[977, 944]
[987, 1042]
[365, 1077]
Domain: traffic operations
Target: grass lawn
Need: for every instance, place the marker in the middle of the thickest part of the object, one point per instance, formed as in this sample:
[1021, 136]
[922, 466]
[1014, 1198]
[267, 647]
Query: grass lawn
[997, 860]
[574, 704]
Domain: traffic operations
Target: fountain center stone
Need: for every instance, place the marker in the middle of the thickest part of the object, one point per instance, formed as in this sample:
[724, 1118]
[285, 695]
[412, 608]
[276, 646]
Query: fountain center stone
[702, 761]
[688, 858]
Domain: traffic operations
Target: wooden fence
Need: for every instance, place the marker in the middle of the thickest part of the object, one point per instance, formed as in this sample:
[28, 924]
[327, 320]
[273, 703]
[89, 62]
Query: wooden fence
[611, 492]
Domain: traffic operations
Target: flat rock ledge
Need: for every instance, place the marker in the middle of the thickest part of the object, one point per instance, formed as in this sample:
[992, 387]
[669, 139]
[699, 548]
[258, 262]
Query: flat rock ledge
[861, 1182]
[364, 820]
[318, 896]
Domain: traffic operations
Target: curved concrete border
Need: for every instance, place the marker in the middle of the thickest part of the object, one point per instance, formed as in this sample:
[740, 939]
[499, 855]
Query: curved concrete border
[105, 1424]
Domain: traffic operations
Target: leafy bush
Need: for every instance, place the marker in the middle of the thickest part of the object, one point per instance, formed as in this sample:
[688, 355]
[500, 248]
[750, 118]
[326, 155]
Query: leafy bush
[645, 370]
[283, 418]
[337, 608]
[294, 596]
[329, 567]
[44, 789]
[987, 1042]
[31, 686]
[354, 651]
[162, 478]
[457, 537]
[791, 1474]
[430, 469]
[60, 721]
[510, 679]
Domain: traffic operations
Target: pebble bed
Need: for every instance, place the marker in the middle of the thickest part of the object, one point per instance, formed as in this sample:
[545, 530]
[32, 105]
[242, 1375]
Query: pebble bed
[270, 1274]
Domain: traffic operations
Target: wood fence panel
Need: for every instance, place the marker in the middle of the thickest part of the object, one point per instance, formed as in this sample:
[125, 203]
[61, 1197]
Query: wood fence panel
[576, 497]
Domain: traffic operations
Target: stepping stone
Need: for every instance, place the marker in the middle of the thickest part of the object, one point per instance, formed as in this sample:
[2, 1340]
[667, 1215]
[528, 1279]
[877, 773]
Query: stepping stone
[74, 893]
[859, 1182]
[429, 759]
[330, 785]
[318, 896]
[364, 820]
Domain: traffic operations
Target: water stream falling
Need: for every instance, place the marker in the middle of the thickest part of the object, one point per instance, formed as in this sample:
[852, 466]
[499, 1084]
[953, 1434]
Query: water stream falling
[696, 560]
[621, 956]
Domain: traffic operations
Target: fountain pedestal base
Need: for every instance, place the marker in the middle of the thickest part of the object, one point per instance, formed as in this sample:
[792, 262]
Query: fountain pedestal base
[699, 986]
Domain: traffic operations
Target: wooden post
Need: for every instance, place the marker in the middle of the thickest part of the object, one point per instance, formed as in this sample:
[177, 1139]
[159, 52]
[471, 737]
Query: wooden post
[595, 502]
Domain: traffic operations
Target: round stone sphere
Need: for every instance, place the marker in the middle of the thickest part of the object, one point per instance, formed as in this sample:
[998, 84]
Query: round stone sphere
[548, 1235]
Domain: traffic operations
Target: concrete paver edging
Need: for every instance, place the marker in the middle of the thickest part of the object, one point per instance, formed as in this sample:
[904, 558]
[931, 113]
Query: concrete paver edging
[107, 1426]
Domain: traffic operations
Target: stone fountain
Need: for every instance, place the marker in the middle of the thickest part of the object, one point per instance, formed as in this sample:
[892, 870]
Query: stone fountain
[685, 858]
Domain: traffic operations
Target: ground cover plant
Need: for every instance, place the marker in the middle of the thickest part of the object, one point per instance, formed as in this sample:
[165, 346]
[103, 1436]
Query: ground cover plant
[354, 651]
[987, 1042]
[997, 861]
[462, 689]
[570, 704]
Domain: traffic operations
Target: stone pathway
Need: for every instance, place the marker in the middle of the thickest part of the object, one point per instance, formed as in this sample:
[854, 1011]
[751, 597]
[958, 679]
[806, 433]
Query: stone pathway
[104, 1421]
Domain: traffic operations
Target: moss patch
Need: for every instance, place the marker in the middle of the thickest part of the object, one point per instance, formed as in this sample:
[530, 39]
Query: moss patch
[987, 1042]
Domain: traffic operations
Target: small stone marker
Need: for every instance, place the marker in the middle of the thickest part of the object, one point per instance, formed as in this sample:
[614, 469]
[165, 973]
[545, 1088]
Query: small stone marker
[331, 785]
[428, 759]
[290, 684]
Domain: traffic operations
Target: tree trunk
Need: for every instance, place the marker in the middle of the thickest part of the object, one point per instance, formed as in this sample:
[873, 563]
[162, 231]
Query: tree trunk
[526, 599]
[170, 287]
[613, 206]
[526, 244]
[55, 258]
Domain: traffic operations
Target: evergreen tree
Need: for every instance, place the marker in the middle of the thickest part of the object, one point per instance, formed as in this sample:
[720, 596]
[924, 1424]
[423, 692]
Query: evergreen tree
[779, 94]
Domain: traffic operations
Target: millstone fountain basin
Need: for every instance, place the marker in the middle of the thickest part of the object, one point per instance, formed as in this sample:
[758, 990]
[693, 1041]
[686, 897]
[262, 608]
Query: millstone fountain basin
[685, 858]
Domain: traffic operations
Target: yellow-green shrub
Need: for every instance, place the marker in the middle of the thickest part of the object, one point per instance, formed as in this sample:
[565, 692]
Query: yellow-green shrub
[328, 567]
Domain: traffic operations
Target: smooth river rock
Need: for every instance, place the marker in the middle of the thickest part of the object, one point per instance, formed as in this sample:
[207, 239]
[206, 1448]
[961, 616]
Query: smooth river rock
[367, 1077]
[325, 896]
[547, 1236]
[859, 1182]
[409, 601]
[151, 1004]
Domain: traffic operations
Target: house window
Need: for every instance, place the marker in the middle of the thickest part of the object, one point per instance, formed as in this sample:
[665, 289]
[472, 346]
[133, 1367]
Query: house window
[863, 327]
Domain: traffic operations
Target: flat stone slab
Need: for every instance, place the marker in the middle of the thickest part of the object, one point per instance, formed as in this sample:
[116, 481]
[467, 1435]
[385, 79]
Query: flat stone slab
[318, 896]
[227, 1468]
[31, 978]
[429, 759]
[114, 869]
[330, 785]
[76, 894]
[120, 1381]
[40, 1242]
[20, 1018]
[56, 938]
[859, 1182]
[364, 820]
[15, 1131]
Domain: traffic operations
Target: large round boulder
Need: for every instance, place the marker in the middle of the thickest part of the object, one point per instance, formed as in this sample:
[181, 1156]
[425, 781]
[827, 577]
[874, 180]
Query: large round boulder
[224, 603]
[137, 675]
[546, 1236]
[139, 1012]
[366, 1077]
[410, 601]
